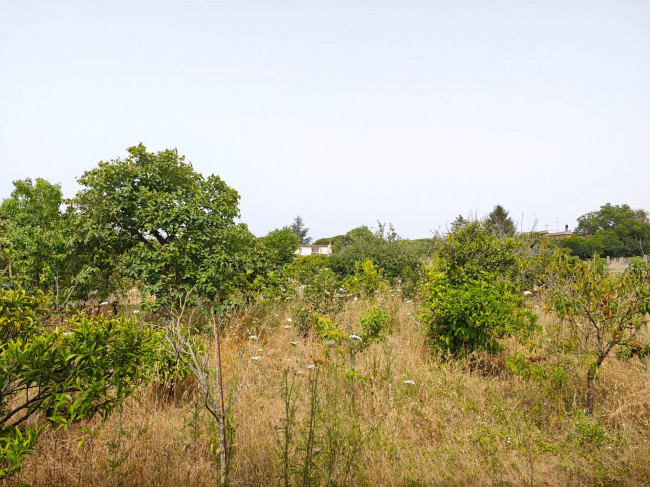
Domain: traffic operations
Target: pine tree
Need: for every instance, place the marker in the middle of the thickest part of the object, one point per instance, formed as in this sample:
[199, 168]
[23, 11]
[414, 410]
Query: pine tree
[499, 223]
[299, 229]
[458, 223]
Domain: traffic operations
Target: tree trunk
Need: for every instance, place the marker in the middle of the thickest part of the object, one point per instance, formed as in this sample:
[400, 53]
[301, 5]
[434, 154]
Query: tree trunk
[222, 452]
[221, 421]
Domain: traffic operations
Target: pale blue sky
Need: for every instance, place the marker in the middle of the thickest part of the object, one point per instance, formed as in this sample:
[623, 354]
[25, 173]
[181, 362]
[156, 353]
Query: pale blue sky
[345, 112]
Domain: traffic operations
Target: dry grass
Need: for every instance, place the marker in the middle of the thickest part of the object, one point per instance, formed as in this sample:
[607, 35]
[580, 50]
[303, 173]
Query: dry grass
[455, 426]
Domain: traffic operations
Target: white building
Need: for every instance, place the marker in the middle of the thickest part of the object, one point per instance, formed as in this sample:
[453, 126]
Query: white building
[314, 250]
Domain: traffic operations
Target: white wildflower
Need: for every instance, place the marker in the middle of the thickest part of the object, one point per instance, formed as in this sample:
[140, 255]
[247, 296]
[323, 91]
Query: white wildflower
[311, 366]
[527, 293]
[355, 337]
[289, 320]
[136, 311]
[286, 327]
[409, 382]
[256, 357]
[253, 337]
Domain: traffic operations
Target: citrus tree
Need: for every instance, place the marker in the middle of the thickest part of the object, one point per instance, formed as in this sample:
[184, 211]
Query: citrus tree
[62, 376]
[472, 293]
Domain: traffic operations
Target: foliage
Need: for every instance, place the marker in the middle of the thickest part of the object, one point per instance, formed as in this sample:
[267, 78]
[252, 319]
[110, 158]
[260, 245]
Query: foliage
[473, 252]
[367, 279]
[38, 242]
[582, 247]
[472, 294]
[499, 223]
[473, 315]
[303, 268]
[153, 219]
[20, 315]
[299, 230]
[614, 231]
[398, 260]
[322, 292]
[374, 327]
[67, 376]
[15, 444]
[458, 223]
[283, 244]
[601, 310]
[608, 217]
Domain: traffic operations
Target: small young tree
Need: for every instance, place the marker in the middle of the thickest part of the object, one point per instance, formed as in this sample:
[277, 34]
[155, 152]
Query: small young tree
[601, 310]
[299, 229]
[208, 370]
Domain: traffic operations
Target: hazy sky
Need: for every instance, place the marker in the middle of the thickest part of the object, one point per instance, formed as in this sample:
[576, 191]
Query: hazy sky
[345, 112]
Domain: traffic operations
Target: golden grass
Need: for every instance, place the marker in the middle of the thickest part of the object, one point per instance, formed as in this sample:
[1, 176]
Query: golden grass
[455, 426]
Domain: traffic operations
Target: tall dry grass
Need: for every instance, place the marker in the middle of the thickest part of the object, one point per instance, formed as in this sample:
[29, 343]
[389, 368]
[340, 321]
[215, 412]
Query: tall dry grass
[457, 425]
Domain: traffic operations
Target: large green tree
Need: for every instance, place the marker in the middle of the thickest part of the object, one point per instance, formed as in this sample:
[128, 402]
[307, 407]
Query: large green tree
[613, 230]
[38, 241]
[282, 244]
[152, 218]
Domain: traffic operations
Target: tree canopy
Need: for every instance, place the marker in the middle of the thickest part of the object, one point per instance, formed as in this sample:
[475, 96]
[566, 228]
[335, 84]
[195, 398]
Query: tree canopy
[153, 219]
[500, 223]
[299, 229]
[282, 243]
[37, 241]
[613, 230]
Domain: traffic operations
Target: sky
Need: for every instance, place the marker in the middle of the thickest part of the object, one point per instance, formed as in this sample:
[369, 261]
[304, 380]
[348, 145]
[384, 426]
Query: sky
[343, 112]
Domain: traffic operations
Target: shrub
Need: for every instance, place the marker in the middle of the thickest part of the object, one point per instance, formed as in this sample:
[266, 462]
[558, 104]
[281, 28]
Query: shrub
[472, 293]
[65, 376]
[366, 280]
[303, 268]
[474, 315]
[399, 261]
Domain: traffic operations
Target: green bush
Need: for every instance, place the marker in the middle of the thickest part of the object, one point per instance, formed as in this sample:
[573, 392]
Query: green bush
[303, 268]
[472, 294]
[474, 315]
[64, 376]
[399, 260]
[366, 280]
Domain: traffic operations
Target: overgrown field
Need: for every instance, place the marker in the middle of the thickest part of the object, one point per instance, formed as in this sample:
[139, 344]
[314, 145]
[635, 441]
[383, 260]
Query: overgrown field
[457, 424]
[147, 337]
